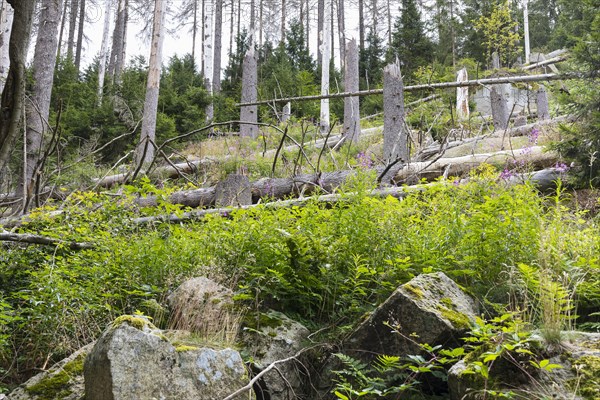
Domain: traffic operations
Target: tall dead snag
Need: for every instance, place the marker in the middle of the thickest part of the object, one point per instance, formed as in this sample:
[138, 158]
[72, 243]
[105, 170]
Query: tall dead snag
[13, 94]
[395, 136]
[325, 59]
[462, 96]
[117, 54]
[6, 19]
[249, 114]
[208, 55]
[79, 45]
[38, 108]
[351, 104]
[216, 78]
[542, 104]
[145, 150]
[499, 109]
[104, 51]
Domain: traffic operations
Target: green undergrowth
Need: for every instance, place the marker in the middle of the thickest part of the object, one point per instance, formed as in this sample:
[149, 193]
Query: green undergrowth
[318, 263]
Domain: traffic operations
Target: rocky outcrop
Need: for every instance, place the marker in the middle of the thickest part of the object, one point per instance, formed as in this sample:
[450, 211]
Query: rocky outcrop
[577, 377]
[274, 337]
[431, 309]
[134, 360]
[63, 381]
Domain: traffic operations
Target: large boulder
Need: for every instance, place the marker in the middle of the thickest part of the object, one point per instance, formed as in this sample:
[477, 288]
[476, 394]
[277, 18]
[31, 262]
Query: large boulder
[577, 377]
[203, 306]
[273, 336]
[63, 381]
[431, 309]
[134, 360]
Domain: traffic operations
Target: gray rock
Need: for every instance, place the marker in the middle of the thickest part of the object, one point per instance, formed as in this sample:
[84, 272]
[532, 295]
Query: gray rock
[431, 309]
[576, 356]
[134, 360]
[202, 306]
[63, 381]
[278, 338]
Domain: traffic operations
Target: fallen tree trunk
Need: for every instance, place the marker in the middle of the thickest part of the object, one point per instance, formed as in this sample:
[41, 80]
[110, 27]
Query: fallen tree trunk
[44, 240]
[543, 180]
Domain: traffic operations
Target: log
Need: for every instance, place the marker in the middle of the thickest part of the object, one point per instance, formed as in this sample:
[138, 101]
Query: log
[43, 240]
[233, 191]
[543, 180]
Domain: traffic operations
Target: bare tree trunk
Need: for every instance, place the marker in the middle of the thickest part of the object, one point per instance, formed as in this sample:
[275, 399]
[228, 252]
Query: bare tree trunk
[72, 27]
[63, 22]
[79, 46]
[208, 56]
[104, 51]
[249, 93]
[283, 9]
[252, 20]
[13, 94]
[195, 29]
[6, 19]
[341, 17]
[351, 104]
[145, 149]
[202, 31]
[361, 25]
[542, 104]
[462, 96]
[216, 77]
[239, 19]
[231, 26]
[115, 66]
[325, 59]
[395, 137]
[499, 109]
[307, 29]
[321, 37]
[389, 21]
[38, 109]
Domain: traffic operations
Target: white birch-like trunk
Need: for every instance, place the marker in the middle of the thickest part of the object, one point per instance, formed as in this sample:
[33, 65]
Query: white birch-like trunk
[208, 55]
[38, 108]
[325, 59]
[6, 20]
[216, 76]
[462, 96]
[526, 29]
[145, 149]
[103, 60]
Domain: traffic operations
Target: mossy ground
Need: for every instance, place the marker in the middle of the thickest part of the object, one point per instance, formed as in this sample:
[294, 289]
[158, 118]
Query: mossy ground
[587, 382]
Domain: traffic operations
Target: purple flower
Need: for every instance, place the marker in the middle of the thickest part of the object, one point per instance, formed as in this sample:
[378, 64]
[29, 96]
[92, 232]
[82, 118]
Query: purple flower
[364, 160]
[533, 135]
[506, 174]
[456, 182]
[561, 167]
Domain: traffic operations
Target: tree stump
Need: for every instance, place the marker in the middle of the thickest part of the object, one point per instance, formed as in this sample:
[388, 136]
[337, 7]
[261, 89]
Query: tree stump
[233, 191]
[351, 104]
[395, 137]
[542, 104]
[249, 114]
[462, 96]
[499, 109]
[521, 120]
[286, 112]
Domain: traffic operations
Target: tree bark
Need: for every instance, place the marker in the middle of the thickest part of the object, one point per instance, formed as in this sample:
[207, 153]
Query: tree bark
[13, 94]
[351, 104]
[499, 109]
[341, 17]
[79, 46]
[63, 22]
[361, 25]
[117, 59]
[145, 149]
[325, 60]
[72, 27]
[462, 96]
[395, 137]
[195, 28]
[283, 16]
[321, 37]
[543, 112]
[233, 191]
[6, 19]
[38, 109]
[104, 51]
[208, 56]
[216, 77]
[249, 114]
